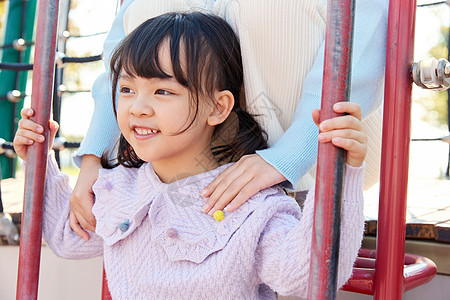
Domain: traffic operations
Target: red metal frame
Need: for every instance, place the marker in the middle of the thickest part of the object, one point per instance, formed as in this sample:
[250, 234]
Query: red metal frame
[31, 230]
[391, 277]
[395, 151]
[330, 161]
[417, 271]
[105, 291]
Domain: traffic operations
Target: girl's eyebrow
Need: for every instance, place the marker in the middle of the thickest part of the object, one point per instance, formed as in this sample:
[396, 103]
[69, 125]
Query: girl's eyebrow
[170, 79]
[125, 76]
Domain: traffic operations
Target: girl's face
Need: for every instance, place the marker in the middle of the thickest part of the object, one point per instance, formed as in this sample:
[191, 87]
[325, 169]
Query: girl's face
[152, 114]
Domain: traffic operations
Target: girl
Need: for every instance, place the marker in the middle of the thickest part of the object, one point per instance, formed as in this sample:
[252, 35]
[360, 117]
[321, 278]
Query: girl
[282, 46]
[178, 78]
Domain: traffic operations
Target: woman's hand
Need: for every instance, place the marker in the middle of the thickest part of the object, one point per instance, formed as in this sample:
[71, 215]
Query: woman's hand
[82, 198]
[344, 131]
[237, 183]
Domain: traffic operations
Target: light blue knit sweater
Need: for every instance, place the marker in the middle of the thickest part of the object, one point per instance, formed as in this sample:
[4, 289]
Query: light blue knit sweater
[158, 244]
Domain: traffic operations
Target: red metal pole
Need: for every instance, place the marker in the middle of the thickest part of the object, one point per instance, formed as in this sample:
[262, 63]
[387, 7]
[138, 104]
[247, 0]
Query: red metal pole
[105, 291]
[330, 161]
[31, 231]
[395, 151]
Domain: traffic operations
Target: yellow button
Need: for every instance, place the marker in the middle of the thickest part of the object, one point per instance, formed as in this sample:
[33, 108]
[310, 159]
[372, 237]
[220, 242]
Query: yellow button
[218, 215]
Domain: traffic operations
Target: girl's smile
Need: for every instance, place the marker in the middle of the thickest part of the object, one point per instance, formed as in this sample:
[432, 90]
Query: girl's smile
[142, 133]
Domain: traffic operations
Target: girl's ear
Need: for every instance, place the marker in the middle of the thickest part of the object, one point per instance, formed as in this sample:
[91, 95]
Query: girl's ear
[224, 104]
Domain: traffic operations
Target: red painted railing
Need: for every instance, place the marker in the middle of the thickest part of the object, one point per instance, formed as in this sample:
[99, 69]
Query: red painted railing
[395, 151]
[417, 271]
[330, 160]
[41, 97]
[391, 277]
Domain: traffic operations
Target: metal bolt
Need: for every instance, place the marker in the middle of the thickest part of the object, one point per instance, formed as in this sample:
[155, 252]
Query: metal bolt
[19, 44]
[59, 59]
[61, 89]
[10, 153]
[2, 142]
[65, 35]
[59, 143]
[16, 238]
[447, 70]
[14, 96]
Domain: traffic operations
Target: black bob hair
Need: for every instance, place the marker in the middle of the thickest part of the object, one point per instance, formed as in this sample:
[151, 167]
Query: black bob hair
[213, 63]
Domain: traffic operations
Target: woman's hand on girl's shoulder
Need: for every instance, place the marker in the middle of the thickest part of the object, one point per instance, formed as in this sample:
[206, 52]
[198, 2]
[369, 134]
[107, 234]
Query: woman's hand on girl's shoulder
[344, 131]
[240, 181]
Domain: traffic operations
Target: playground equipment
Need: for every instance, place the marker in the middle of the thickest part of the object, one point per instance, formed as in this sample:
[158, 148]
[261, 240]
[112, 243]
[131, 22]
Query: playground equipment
[381, 273]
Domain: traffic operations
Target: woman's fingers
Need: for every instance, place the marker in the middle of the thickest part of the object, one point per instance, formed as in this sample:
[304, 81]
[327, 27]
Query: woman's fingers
[239, 182]
[220, 185]
[231, 192]
[250, 189]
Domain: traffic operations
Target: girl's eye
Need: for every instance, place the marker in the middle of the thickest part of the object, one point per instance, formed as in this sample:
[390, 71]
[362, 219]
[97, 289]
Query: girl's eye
[126, 90]
[162, 92]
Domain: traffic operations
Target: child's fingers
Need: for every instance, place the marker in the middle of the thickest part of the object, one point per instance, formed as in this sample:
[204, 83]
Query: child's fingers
[27, 124]
[356, 151]
[31, 135]
[20, 141]
[53, 128]
[26, 113]
[350, 134]
[316, 116]
[351, 145]
[350, 108]
[342, 122]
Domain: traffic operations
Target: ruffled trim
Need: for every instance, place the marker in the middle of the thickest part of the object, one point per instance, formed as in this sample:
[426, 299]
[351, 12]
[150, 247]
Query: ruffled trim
[122, 200]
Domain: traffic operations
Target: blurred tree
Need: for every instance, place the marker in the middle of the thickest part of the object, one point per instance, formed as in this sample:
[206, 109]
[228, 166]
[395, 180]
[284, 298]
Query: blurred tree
[2, 17]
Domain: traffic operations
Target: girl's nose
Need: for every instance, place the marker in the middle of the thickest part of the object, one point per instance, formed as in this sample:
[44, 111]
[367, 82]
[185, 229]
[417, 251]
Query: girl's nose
[141, 107]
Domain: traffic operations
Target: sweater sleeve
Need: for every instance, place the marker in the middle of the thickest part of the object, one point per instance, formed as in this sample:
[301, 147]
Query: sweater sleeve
[103, 131]
[284, 251]
[296, 150]
[61, 239]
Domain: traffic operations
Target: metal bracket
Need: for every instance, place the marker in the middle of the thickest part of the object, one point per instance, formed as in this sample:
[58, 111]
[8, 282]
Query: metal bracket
[432, 74]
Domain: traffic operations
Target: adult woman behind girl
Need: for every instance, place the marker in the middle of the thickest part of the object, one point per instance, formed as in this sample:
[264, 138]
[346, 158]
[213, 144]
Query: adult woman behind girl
[280, 42]
[179, 78]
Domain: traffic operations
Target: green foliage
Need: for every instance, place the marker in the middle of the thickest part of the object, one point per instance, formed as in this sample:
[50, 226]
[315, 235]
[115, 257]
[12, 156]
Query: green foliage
[2, 17]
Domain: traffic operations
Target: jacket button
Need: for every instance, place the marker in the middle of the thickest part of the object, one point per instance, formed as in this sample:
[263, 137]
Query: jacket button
[108, 186]
[172, 233]
[218, 215]
[124, 225]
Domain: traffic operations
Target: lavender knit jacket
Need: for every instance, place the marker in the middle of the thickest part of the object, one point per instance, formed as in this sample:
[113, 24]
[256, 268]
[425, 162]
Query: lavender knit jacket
[158, 244]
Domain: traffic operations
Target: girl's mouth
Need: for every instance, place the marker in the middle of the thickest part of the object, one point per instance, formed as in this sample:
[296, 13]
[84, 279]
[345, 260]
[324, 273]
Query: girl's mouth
[145, 133]
[141, 131]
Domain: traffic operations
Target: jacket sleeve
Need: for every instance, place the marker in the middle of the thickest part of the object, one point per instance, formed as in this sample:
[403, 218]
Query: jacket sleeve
[293, 155]
[58, 235]
[284, 251]
[103, 131]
